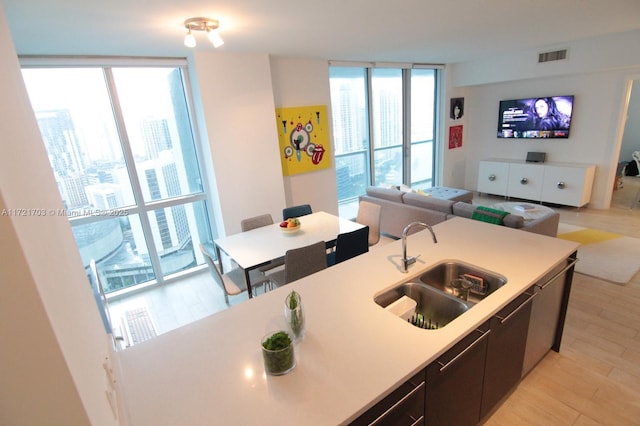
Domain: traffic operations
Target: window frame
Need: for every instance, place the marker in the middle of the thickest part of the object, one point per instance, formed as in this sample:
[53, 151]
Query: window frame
[406, 122]
[142, 209]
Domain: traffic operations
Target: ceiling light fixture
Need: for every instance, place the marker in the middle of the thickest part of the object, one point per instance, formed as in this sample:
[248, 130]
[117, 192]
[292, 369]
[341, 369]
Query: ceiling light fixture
[202, 24]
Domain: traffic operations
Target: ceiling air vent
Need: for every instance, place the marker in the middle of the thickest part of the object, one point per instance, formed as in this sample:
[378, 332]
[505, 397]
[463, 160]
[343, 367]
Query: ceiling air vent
[556, 55]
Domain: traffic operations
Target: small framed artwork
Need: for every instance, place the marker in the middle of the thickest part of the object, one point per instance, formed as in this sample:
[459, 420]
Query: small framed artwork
[457, 108]
[455, 137]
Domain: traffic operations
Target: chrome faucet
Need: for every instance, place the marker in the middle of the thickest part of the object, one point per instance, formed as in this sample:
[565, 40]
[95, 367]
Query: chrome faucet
[406, 261]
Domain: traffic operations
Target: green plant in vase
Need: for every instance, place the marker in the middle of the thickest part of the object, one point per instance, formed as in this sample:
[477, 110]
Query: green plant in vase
[277, 353]
[294, 314]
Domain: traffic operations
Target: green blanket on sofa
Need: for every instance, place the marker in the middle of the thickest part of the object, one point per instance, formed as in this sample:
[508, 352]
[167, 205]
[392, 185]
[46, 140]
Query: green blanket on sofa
[489, 215]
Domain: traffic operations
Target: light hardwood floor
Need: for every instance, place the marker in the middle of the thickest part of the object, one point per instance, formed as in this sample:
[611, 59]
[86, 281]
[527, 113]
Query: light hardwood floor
[594, 379]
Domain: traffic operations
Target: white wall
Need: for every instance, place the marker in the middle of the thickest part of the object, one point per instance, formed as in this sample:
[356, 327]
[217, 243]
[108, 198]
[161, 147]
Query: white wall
[53, 342]
[239, 113]
[302, 82]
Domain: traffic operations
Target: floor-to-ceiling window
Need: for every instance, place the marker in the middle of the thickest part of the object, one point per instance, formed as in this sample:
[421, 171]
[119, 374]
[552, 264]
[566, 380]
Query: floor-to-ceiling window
[384, 122]
[122, 149]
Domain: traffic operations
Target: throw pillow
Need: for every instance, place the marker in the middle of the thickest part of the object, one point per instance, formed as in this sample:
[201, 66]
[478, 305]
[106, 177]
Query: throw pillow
[489, 215]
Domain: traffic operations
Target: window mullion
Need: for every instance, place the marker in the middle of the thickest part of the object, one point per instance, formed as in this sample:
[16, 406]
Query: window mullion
[133, 174]
[406, 126]
[372, 173]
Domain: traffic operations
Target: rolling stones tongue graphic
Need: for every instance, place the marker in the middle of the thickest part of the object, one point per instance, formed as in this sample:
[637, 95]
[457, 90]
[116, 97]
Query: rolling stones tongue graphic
[318, 153]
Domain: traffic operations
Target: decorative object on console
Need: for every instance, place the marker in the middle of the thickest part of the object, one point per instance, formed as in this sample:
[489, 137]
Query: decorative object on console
[536, 157]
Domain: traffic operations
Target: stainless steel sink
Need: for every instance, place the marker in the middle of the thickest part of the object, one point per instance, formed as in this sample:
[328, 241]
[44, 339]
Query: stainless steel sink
[440, 275]
[434, 309]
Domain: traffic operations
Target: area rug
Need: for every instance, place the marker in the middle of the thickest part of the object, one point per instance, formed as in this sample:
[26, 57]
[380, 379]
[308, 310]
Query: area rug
[604, 255]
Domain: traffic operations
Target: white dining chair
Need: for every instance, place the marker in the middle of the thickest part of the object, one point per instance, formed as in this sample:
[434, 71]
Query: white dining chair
[232, 282]
[369, 214]
[257, 222]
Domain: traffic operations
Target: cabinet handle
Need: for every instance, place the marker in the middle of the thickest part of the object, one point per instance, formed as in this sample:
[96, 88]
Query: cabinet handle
[483, 334]
[524, 181]
[561, 185]
[417, 421]
[569, 265]
[397, 404]
[512, 313]
[492, 177]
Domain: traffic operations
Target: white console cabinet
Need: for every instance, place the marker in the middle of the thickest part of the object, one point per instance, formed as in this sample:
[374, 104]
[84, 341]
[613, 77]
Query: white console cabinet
[559, 183]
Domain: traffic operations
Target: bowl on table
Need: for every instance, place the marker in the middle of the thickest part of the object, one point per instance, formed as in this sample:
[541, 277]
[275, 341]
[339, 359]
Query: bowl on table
[290, 231]
[290, 226]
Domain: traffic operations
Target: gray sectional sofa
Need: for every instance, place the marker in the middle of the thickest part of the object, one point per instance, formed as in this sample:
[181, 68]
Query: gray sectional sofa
[401, 208]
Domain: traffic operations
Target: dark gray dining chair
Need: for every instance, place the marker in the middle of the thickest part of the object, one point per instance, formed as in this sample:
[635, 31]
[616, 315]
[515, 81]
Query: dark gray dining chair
[300, 262]
[349, 245]
[296, 211]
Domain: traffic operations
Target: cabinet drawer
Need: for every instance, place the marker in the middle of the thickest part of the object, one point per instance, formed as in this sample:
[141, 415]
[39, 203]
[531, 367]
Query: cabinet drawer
[525, 181]
[402, 407]
[492, 177]
[567, 185]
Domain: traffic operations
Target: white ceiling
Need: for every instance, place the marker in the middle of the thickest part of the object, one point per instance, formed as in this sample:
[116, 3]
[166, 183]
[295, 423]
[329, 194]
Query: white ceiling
[427, 31]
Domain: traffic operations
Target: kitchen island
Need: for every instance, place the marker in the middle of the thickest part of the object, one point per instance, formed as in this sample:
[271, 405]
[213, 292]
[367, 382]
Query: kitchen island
[354, 352]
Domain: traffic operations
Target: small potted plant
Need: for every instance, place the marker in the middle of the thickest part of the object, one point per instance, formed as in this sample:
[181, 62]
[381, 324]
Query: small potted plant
[277, 353]
[294, 315]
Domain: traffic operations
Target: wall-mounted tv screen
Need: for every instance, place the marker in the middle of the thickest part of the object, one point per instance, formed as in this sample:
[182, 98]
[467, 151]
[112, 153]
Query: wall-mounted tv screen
[544, 117]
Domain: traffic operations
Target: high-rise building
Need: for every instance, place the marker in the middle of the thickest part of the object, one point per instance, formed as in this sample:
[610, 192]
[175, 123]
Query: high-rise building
[59, 135]
[156, 137]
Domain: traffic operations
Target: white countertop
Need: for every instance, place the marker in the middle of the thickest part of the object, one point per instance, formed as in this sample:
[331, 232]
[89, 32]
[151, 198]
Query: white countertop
[353, 353]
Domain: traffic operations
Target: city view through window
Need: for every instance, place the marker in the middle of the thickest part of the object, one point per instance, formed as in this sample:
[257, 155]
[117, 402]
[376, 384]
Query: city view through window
[383, 127]
[121, 147]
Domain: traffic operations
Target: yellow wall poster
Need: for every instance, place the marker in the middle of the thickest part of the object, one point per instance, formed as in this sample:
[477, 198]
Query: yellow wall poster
[303, 134]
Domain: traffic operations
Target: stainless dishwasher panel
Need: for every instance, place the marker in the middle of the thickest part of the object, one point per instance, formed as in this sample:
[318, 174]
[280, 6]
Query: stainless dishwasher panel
[545, 314]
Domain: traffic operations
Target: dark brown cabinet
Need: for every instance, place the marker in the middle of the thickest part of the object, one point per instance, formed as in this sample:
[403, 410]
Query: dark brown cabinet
[548, 311]
[402, 407]
[505, 350]
[455, 381]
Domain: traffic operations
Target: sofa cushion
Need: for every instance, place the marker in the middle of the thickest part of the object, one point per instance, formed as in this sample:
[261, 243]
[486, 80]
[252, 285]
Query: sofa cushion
[513, 221]
[385, 193]
[426, 202]
[463, 209]
[453, 194]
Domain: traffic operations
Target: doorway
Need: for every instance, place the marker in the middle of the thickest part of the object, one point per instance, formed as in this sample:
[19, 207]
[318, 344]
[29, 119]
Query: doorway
[626, 189]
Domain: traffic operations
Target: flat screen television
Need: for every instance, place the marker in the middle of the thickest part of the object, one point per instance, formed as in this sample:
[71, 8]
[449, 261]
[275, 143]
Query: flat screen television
[543, 117]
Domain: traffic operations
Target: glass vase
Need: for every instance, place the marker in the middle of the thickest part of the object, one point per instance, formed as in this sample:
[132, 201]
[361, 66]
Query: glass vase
[278, 353]
[294, 315]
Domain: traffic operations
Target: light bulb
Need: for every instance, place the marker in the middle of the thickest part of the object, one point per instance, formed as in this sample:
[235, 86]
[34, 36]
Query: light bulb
[189, 39]
[214, 38]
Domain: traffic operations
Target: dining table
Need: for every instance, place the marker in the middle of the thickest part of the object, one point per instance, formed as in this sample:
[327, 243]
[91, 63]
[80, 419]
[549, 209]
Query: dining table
[257, 247]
